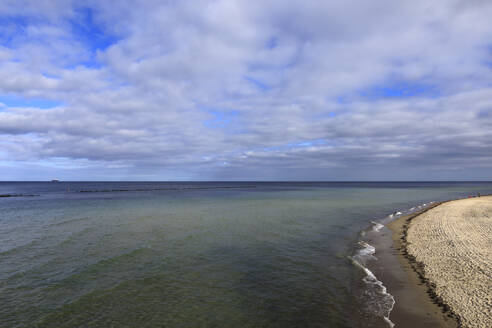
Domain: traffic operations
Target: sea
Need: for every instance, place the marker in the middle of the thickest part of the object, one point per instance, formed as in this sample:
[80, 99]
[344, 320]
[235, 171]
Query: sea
[200, 254]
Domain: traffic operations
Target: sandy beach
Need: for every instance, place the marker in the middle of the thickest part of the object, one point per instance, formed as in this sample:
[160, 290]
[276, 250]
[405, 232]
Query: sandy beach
[450, 248]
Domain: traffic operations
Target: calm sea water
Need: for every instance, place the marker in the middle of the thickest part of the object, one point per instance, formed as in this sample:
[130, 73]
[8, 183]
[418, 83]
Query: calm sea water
[237, 254]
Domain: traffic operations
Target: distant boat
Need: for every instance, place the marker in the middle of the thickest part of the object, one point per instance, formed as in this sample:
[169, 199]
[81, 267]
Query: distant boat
[55, 180]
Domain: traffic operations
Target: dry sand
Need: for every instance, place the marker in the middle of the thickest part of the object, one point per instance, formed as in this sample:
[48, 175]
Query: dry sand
[451, 246]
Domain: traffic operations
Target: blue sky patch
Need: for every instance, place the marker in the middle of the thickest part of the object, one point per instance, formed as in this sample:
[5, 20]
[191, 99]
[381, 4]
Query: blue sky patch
[401, 89]
[14, 101]
[87, 30]
[11, 27]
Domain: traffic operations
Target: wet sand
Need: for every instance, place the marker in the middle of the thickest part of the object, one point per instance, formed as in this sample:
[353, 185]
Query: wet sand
[413, 307]
[446, 252]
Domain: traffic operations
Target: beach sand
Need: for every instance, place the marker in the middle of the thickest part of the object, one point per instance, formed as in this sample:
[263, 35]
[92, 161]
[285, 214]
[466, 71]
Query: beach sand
[447, 250]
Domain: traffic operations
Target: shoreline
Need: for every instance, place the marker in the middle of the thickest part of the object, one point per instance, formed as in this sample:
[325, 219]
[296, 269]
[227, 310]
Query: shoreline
[429, 289]
[412, 307]
[415, 297]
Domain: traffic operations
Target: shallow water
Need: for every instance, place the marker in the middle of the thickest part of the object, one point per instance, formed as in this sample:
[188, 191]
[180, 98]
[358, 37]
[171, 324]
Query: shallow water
[196, 254]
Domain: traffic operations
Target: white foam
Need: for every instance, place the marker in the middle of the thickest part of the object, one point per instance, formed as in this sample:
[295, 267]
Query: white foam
[371, 279]
[392, 215]
[363, 254]
[376, 226]
[366, 249]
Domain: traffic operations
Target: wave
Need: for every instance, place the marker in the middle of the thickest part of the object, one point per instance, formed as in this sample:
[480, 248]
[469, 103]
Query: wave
[383, 308]
[394, 214]
[59, 223]
[365, 252]
[74, 236]
[24, 247]
[18, 248]
[376, 226]
[376, 296]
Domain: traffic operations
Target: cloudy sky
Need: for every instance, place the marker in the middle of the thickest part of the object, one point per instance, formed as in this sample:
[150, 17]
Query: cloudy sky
[234, 90]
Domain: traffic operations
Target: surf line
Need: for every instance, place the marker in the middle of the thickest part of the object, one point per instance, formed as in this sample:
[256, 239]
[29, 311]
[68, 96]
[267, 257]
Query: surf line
[376, 288]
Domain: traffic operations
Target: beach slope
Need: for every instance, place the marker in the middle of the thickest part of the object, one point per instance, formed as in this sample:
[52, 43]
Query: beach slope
[452, 244]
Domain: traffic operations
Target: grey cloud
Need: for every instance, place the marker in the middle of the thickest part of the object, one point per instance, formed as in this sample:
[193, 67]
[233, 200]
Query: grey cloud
[271, 73]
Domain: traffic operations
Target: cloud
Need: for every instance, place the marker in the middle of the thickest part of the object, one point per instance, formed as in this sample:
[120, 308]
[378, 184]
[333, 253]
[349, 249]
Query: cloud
[275, 90]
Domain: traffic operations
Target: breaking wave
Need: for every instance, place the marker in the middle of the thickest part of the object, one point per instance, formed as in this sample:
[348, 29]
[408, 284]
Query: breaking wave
[375, 297]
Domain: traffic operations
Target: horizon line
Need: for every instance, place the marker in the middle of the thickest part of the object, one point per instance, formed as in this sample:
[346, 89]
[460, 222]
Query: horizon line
[324, 181]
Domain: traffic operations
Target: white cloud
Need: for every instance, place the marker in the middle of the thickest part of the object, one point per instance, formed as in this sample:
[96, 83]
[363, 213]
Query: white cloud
[274, 74]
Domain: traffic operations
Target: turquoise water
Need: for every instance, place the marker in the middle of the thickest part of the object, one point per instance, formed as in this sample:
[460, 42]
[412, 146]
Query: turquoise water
[194, 254]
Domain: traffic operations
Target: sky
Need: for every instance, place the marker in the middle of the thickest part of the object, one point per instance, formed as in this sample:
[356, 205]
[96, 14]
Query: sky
[245, 90]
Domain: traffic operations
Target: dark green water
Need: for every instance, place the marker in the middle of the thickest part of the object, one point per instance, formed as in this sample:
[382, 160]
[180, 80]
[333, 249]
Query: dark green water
[195, 254]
